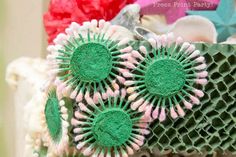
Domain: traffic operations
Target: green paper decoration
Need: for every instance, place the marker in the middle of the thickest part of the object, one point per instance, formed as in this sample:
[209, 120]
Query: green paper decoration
[91, 62]
[53, 116]
[87, 61]
[224, 18]
[165, 77]
[110, 128]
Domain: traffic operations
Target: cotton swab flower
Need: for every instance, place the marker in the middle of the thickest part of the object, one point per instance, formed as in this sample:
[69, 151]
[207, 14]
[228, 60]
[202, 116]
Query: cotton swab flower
[165, 77]
[109, 130]
[87, 61]
[55, 122]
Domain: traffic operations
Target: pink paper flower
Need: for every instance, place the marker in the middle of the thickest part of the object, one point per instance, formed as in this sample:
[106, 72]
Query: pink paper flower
[62, 12]
[174, 9]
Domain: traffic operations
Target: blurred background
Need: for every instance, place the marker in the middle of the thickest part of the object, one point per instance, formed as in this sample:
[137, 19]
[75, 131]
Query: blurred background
[21, 34]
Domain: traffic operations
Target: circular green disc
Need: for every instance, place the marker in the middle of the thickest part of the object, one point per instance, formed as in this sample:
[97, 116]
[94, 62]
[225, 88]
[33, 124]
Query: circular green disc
[165, 77]
[112, 128]
[53, 117]
[91, 62]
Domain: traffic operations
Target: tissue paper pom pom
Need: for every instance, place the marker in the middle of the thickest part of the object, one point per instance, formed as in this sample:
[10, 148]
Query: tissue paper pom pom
[62, 12]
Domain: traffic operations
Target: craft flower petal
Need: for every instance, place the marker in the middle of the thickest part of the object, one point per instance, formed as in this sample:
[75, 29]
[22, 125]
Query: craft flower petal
[231, 40]
[191, 28]
[196, 29]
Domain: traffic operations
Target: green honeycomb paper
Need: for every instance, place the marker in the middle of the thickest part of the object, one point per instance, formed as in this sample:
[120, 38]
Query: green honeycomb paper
[211, 126]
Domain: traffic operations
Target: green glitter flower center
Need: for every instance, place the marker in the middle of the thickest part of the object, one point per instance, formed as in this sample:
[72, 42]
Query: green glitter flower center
[112, 127]
[53, 117]
[165, 77]
[91, 62]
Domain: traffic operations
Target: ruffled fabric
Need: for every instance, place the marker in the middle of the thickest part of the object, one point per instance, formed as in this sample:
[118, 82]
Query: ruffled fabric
[61, 13]
[27, 76]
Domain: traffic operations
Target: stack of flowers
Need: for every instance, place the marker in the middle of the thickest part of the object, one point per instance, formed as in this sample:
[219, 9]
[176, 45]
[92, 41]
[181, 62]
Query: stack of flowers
[103, 93]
